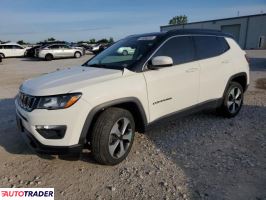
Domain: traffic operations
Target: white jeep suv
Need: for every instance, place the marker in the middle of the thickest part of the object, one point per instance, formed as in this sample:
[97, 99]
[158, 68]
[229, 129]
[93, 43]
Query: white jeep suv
[101, 104]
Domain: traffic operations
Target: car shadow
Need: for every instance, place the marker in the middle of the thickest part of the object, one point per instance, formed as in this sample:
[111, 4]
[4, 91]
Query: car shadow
[221, 157]
[31, 59]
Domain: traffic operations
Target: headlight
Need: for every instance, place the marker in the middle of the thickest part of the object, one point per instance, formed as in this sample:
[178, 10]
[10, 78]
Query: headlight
[58, 102]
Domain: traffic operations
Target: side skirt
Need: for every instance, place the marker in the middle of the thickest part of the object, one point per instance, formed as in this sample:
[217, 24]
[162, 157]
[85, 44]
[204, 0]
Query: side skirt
[206, 105]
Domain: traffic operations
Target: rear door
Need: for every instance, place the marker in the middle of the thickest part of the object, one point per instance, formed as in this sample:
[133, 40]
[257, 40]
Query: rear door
[8, 50]
[171, 89]
[67, 51]
[215, 64]
[56, 51]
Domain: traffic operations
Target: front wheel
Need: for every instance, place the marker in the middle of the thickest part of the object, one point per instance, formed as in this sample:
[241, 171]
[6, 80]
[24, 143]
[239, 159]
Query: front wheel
[232, 101]
[112, 136]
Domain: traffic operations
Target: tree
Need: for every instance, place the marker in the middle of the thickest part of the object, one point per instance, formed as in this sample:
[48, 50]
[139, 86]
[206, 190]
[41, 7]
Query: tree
[111, 40]
[92, 41]
[104, 40]
[51, 39]
[178, 20]
[21, 42]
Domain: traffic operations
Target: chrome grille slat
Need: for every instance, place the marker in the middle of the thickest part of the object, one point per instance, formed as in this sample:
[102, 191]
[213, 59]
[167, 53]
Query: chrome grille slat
[26, 102]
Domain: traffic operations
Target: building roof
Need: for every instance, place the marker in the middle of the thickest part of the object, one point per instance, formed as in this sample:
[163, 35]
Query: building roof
[230, 18]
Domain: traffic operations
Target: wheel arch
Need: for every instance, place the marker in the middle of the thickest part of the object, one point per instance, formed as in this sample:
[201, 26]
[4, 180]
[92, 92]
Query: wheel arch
[77, 51]
[2, 54]
[131, 104]
[49, 54]
[240, 78]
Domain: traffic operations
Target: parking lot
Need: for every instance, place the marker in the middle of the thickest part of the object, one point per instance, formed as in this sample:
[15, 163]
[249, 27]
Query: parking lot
[202, 156]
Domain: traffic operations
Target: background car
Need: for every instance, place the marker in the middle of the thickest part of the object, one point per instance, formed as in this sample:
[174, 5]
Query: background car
[126, 51]
[44, 44]
[99, 48]
[50, 52]
[31, 51]
[12, 50]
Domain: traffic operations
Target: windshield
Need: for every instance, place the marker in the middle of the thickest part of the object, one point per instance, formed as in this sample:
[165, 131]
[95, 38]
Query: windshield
[124, 53]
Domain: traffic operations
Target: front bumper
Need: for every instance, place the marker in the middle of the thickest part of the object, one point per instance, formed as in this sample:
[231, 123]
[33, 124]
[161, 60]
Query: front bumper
[46, 149]
[73, 118]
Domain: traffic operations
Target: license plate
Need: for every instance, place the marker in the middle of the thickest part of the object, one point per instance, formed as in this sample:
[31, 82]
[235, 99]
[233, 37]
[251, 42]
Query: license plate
[19, 124]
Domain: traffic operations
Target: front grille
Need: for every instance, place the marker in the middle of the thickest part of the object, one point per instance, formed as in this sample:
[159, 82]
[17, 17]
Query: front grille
[26, 102]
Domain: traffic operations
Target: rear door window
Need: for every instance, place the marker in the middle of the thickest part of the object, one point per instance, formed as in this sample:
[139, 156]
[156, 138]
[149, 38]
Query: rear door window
[54, 47]
[16, 47]
[209, 46]
[180, 49]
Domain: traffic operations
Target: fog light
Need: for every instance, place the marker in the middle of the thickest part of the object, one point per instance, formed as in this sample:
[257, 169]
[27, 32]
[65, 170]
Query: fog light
[51, 131]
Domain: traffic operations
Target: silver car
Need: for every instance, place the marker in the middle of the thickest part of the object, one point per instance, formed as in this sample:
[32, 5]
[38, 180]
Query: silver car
[52, 51]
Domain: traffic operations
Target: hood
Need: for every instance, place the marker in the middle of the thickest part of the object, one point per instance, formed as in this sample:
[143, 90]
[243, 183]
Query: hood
[67, 80]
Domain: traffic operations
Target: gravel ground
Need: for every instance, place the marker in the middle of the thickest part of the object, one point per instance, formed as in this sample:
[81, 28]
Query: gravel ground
[201, 156]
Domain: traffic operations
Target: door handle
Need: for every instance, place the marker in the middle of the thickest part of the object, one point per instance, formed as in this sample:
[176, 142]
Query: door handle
[191, 70]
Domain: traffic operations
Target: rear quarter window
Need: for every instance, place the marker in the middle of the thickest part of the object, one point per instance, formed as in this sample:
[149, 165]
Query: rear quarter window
[209, 46]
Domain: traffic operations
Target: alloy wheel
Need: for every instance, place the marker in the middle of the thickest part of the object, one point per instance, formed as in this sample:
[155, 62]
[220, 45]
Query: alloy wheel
[120, 138]
[234, 100]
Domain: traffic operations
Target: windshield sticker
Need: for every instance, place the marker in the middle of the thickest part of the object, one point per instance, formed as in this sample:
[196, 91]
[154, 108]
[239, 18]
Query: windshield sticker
[147, 38]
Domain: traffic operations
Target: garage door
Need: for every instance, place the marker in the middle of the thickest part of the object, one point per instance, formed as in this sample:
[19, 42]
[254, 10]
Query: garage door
[233, 30]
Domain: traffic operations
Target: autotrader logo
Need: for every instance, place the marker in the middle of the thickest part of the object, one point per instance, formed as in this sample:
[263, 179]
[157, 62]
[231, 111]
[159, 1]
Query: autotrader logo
[27, 193]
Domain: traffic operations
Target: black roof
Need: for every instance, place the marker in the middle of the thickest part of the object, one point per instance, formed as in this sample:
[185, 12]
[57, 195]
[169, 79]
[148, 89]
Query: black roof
[184, 32]
[197, 32]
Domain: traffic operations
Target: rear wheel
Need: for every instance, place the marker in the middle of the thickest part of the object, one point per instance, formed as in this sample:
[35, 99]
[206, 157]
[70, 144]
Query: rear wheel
[49, 57]
[232, 101]
[112, 136]
[77, 55]
[2, 55]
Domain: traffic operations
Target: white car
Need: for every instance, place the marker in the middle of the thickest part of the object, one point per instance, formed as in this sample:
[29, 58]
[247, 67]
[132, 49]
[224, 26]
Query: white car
[53, 51]
[101, 104]
[11, 50]
[126, 51]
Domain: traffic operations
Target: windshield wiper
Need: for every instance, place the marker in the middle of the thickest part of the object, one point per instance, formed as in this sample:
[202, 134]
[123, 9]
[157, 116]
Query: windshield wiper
[105, 66]
[96, 65]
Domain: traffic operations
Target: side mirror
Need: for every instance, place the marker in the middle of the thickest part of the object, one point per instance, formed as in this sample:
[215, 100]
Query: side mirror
[161, 61]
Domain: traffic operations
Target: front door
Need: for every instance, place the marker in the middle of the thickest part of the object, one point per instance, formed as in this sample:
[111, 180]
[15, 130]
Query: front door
[174, 88]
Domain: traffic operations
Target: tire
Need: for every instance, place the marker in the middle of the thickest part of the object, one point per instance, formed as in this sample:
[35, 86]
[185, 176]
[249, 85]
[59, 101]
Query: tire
[49, 57]
[77, 55]
[125, 53]
[108, 137]
[2, 55]
[232, 100]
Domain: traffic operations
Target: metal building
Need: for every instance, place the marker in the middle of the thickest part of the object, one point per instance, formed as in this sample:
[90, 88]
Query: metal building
[249, 31]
